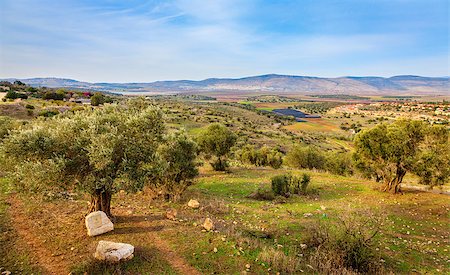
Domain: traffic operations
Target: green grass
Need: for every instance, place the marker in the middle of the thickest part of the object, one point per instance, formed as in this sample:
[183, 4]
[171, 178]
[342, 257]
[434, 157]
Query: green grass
[338, 195]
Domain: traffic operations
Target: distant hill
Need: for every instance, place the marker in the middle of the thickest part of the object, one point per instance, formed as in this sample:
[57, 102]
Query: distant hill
[271, 83]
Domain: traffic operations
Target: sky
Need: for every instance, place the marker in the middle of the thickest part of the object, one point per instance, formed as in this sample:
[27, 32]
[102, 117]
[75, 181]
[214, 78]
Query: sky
[144, 41]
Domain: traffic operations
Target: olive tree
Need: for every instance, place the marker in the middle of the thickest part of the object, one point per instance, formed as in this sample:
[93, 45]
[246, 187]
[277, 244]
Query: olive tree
[217, 140]
[179, 155]
[390, 151]
[98, 151]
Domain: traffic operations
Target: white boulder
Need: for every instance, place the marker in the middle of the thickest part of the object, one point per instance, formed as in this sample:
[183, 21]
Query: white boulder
[98, 223]
[113, 252]
[193, 204]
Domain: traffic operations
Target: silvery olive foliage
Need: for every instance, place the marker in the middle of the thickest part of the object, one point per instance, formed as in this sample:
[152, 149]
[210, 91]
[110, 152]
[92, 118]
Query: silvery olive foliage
[100, 151]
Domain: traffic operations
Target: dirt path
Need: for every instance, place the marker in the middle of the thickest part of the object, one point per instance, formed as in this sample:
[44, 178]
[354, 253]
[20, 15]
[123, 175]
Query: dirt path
[56, 264]
[24, 228]
[177, 262]
[172, 257]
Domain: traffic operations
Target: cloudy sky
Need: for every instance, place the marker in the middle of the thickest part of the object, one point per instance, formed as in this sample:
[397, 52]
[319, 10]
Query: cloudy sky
[143, 41]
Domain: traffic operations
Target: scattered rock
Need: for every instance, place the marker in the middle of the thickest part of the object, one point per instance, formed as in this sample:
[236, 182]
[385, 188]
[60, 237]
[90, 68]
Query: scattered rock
[247, 266]
[98, 223]
[215, 249]
[113, 252]
[303, 246]
[307, 215]
[6, 272]
[171, 214]
[208, 224]
[323, 207]
[193, 204]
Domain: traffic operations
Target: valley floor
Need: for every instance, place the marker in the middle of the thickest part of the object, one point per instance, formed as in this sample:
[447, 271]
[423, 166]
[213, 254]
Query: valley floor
[49, 236]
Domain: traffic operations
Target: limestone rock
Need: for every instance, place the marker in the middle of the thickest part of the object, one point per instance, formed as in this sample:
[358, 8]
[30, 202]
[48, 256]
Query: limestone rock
[307, 215]
[171, 214]
[193, 204]
[113, 252]
[98, 223]
[208, 224]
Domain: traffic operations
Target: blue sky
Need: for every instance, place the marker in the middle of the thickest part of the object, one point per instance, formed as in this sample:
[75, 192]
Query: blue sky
[143, 41]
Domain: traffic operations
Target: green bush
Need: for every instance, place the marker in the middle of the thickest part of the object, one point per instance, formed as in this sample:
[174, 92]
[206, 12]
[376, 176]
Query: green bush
[48, 113]
[6, 124]
[287, 184]
[339, 163]
[306, 157]
[262, 194]
[15, 95]
[264, 156]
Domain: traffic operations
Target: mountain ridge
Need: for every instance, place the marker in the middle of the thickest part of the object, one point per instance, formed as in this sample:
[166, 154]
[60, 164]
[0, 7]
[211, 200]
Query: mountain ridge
[275, 83]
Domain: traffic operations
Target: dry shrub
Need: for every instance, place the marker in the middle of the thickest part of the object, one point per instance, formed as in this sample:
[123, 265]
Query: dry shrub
[279, 261]
[262, 194]
[345, 245]
[216, 206]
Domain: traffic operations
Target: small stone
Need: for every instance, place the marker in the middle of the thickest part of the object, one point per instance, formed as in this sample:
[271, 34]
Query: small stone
[247, 266]
[194, 224]
[193, 204]
[323, 207]
[307, 215]
[208, 224]
[303, 246]
[72, 248]
[98, 223]
[113, 252]
[215, 249]
[171, 214]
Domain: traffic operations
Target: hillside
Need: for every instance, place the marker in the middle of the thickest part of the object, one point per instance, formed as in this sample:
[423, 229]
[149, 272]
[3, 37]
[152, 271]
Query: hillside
[277, 84]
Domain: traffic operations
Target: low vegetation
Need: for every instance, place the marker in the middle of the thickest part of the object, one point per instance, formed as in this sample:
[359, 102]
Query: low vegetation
[303, 201]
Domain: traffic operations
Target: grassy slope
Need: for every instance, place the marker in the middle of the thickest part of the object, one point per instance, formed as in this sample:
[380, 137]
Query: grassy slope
[415, 234]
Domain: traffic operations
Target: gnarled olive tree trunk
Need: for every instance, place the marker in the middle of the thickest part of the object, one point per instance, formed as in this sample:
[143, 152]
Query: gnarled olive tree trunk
[393, 185]
[101, 201]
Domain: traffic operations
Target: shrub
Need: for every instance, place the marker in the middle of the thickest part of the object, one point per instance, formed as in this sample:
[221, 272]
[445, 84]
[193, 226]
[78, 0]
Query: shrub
[15, 95]
[305, 157]
[97, 99]
[262, 194]
[264, 156]
[48, 113]
[59, 95]
[287, 184]
[29, 107]
[345, 245]
[280, 184]
[339, 163]
[6, 124]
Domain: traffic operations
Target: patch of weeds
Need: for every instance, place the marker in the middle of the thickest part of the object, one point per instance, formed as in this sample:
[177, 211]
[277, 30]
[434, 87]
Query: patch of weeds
[262, 194]
[345, 245]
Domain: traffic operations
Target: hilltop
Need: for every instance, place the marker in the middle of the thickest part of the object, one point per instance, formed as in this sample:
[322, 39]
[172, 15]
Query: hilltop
[272, 83]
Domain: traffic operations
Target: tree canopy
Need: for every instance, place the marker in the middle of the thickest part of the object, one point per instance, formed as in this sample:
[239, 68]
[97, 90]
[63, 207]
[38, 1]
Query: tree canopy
[99, 151]
[389, 151]
[217, 140]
